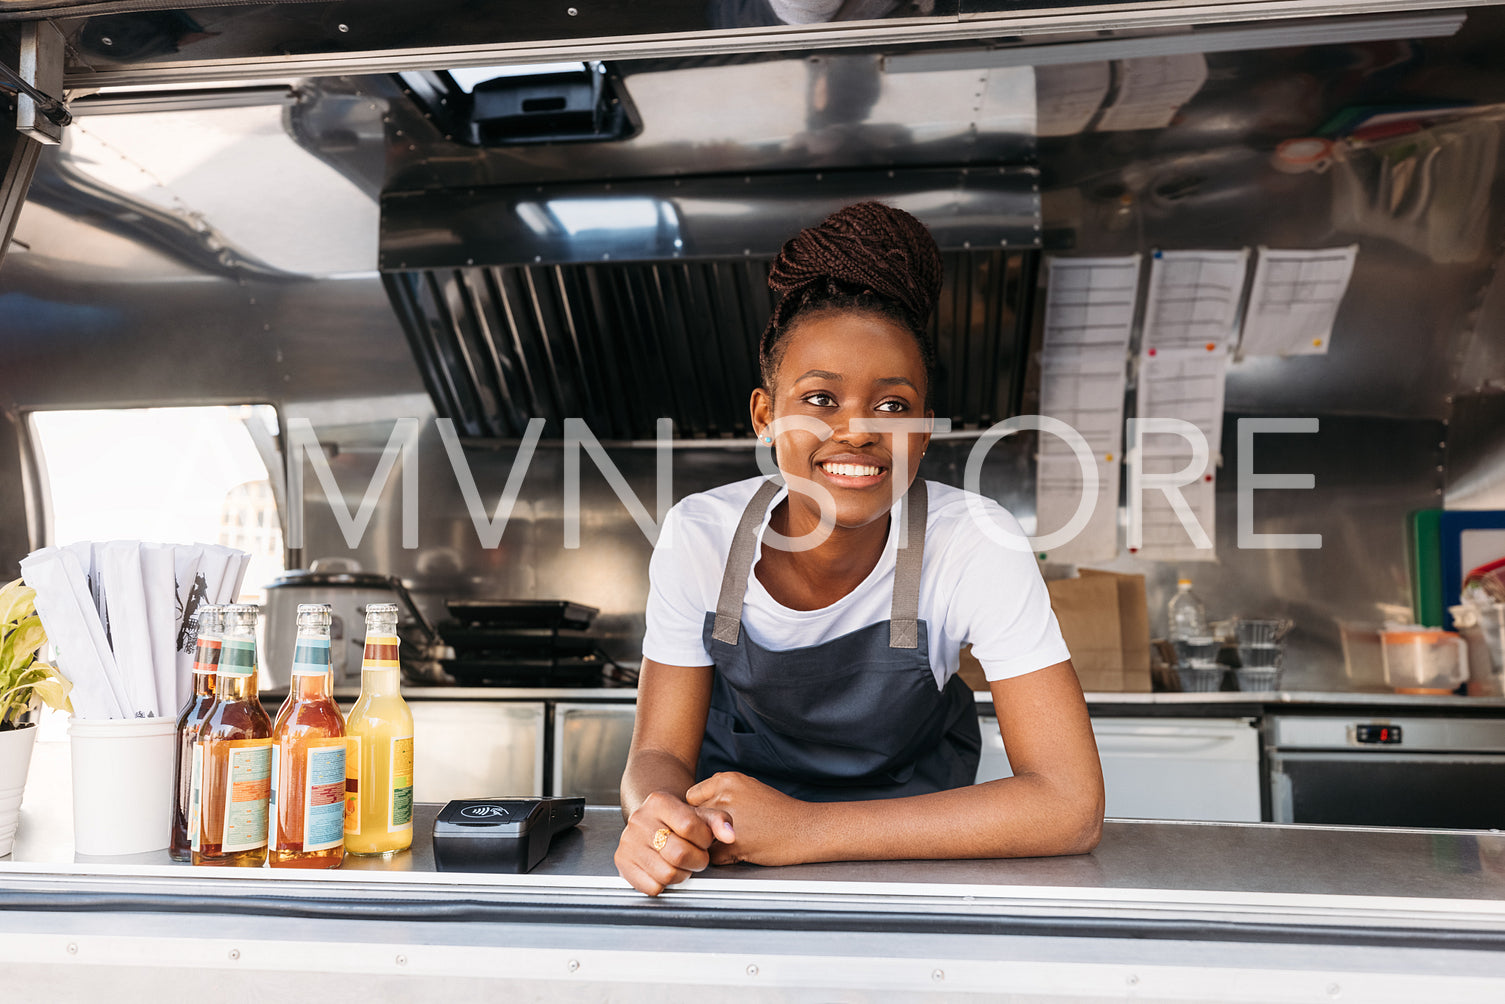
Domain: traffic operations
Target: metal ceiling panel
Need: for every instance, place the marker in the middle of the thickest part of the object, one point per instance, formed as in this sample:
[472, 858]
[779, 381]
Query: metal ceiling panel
[123, 42]
[694, 218]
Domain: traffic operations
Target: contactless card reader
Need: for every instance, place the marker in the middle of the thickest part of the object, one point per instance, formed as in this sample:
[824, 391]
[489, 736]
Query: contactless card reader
[501, 834]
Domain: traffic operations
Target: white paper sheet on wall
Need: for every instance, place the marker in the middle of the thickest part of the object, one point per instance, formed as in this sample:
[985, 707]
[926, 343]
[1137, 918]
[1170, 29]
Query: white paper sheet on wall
[1193, 299]
[1058, 493]
[1089, 314]
[1152, 90]
[1295, 300]
[1186, 385]
[1169, 535]
[1089, 302]
[1086, 391]
[1068, 95]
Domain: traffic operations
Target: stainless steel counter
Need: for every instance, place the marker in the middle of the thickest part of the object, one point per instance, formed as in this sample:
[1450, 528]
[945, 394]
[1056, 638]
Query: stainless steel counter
[1192, 911]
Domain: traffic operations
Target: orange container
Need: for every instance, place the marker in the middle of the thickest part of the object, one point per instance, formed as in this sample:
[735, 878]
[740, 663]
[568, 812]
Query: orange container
[1422, 660]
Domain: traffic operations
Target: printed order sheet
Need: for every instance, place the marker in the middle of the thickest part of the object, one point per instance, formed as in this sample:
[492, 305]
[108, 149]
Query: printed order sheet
[1193, 300]
[1186, 385]
[1295, 300]
[1089, 315]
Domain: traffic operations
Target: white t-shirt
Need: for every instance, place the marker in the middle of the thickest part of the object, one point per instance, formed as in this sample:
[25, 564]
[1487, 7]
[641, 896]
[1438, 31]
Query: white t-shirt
[973, 589]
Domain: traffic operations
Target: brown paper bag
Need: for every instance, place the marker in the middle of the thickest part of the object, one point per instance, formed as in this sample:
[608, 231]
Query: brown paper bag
[1133, 628]
[1105, 622]
[1087, 611]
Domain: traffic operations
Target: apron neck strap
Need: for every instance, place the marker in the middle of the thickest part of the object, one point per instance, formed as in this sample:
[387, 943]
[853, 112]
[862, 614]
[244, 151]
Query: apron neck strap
[904, 618]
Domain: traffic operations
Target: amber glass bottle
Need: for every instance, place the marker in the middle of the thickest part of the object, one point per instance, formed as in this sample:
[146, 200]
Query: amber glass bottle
[235, 743]
[308, 765]
[205, 661]
[379, 762]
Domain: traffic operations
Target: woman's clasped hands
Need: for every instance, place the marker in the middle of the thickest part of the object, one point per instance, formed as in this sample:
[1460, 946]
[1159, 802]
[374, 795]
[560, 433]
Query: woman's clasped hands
[668, 838]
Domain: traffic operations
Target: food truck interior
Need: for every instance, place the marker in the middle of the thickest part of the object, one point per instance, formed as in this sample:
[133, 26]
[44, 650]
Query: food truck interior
[445, 304]
[380, 220]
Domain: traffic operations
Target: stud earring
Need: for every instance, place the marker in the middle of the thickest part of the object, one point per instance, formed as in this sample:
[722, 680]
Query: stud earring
[767, 439]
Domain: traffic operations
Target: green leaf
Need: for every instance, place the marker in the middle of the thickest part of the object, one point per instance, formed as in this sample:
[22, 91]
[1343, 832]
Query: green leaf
[52, 690]
[17, 600]
[21, 644]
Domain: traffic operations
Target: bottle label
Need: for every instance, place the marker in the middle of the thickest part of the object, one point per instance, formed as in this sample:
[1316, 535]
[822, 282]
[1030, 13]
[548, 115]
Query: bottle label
[400, 798]
[353, 785]
[248, 790]
[195, 793]
[311, 657]
[206, 656]
[324, 796]
[381, 652]
[237, 658]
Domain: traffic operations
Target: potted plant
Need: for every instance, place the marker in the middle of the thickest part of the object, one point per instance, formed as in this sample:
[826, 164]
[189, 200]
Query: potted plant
[25, 683]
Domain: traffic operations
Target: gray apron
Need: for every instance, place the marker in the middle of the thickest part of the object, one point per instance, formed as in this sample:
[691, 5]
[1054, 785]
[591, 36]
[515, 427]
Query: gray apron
[856, 717]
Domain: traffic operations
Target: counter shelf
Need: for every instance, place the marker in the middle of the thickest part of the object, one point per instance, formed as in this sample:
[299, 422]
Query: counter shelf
[1190, 908]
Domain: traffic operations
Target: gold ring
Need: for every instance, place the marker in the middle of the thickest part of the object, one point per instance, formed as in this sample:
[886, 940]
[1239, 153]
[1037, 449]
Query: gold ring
[660, 838]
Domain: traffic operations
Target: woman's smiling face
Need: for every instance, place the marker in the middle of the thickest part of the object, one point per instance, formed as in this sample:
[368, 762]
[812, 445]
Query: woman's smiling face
[841, 368]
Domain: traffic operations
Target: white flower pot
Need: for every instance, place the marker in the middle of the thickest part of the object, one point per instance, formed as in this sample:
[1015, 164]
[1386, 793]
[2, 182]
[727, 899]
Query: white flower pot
[15, 760]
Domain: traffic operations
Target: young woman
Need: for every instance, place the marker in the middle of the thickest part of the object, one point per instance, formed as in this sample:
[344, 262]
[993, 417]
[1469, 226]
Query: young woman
[798, 698]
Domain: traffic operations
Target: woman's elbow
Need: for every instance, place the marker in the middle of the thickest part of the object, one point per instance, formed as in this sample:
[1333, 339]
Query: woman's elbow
[1081, 827]
[1088, 833]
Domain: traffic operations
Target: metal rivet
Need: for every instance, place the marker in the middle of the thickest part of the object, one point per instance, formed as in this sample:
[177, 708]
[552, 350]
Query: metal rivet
[343, 27]
[402, 960]
[470, 261]
[574, 965]
[571, 11]
[752, 970]
[107, 40]
[234, 954]
[937, 975]
[72, 948]
[1133, 980]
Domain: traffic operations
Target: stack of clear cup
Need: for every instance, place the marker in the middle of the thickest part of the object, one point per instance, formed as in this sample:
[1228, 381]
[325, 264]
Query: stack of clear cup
[1261, 650]
[1197, 666]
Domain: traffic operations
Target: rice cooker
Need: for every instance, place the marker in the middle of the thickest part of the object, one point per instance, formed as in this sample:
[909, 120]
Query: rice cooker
[348, 591]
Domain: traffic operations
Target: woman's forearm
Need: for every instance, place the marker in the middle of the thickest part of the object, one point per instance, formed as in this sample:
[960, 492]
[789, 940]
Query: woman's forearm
[651, 770]
[1022, 816]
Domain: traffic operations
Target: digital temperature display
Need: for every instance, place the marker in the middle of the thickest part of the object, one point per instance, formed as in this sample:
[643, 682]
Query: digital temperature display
[1377, 733]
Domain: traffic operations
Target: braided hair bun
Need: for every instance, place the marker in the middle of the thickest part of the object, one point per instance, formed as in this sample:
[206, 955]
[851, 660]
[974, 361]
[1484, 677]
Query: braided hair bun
[868, 257]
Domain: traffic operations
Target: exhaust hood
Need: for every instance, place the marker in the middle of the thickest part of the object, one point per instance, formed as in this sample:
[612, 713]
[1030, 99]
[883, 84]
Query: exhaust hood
[621, 345]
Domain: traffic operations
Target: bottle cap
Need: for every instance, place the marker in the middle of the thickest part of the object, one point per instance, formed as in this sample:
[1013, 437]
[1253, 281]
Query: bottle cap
[1183, 583]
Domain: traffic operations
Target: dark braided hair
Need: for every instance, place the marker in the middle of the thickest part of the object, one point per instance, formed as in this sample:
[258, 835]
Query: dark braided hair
[867, 257]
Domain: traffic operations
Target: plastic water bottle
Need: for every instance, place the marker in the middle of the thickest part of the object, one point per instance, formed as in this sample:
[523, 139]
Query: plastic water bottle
[1187, 616]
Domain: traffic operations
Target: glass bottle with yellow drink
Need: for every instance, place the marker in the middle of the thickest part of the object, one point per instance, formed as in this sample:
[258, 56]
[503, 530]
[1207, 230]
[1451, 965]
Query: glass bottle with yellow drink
[308, 764]
[379, 754]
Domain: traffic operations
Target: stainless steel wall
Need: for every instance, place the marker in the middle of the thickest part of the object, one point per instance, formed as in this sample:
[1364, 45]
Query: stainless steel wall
[98, 313]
